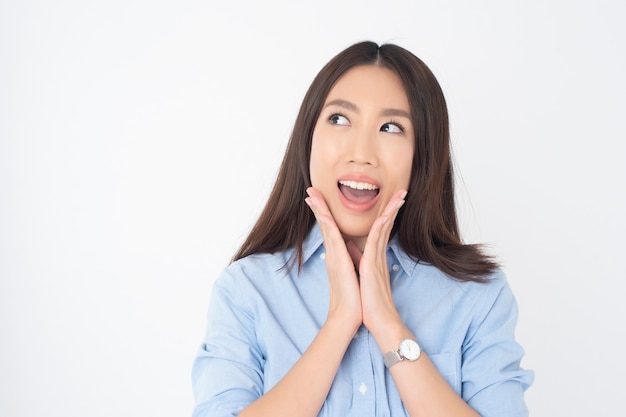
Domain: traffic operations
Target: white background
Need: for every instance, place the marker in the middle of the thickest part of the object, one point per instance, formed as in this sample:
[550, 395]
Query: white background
[139, 140]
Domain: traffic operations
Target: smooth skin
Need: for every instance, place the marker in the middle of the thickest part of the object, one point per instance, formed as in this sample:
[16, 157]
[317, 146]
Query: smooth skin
[356, 244]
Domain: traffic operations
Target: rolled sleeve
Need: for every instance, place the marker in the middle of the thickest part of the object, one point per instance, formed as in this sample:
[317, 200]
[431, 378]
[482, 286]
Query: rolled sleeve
[493, 380]
[227, 371]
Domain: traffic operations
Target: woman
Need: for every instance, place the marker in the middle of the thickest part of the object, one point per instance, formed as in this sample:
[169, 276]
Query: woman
[353, 295]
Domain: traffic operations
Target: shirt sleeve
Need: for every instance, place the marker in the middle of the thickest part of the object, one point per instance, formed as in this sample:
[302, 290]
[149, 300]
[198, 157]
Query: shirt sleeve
[227, 371]
[493, 380]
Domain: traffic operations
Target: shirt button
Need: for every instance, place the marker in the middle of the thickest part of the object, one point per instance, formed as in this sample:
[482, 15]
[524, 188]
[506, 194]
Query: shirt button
[363, 388]
[323, 255]
[395, 267]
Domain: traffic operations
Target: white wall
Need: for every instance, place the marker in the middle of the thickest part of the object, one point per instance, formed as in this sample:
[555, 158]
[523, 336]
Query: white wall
[139, 140]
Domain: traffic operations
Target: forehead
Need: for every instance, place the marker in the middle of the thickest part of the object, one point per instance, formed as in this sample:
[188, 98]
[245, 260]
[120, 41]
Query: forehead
[371, 85]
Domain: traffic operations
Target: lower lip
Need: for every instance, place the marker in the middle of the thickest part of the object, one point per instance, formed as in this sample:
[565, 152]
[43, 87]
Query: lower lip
[359, 207]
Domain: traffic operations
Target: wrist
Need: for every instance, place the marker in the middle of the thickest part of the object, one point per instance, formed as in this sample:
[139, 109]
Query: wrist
[343, 323]
[388, 334]
[407, 350]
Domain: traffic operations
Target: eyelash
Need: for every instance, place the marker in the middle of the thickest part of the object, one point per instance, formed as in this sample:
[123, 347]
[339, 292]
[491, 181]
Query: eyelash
[332, 116]
[391, 122]
[399, 125]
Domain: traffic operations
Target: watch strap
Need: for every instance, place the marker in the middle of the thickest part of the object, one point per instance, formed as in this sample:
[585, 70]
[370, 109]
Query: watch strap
[412, 349]
[391, 358]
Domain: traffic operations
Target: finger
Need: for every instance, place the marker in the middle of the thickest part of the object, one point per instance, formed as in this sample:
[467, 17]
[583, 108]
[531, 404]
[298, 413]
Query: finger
[330, 230]
[316, 202]
[321, 212]
[394, 205]
[381, 229]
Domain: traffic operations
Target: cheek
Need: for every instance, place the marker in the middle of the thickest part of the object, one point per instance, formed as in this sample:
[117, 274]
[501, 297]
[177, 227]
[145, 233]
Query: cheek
[314, 161]
[407, 173]
[401, 163]
[402, 179]
[407, 166]
[320, 162]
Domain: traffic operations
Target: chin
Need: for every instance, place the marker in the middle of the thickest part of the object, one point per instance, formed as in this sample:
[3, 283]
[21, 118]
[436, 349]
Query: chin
[354, 229]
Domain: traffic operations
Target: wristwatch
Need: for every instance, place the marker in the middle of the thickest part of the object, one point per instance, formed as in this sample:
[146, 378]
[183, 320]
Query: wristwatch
[408, 350]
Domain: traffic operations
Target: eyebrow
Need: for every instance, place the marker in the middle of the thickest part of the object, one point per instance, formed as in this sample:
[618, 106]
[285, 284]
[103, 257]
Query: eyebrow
[353, 107]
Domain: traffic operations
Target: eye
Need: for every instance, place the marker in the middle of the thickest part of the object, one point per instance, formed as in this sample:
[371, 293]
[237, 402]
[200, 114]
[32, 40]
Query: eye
[338, 119]
[392, 127]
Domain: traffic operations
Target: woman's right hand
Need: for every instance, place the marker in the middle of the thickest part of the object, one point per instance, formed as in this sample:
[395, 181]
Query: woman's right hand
[345, 299]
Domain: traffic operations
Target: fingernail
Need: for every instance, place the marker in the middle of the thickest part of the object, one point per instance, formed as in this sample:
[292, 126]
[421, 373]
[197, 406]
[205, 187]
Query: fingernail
[308, 191]
[309, 201]
[403, 195]
[400, 204]
[384, 219]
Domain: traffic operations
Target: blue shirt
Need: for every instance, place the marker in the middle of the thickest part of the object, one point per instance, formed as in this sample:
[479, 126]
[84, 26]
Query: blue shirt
[263, 315]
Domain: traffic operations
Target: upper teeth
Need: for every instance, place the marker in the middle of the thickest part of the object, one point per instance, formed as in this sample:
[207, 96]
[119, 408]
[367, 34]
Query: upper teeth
[359, 185]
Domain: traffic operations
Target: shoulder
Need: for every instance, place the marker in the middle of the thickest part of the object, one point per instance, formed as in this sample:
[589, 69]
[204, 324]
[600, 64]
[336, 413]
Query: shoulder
[254, 268]
[493, 282]
[278, 264]
[265, 262]
[477, 297]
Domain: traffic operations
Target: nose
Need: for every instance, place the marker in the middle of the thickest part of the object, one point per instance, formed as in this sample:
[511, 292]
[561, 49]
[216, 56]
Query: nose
[362, 149]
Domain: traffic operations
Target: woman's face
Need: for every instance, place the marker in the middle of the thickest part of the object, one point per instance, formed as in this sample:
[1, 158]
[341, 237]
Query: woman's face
[362, 149]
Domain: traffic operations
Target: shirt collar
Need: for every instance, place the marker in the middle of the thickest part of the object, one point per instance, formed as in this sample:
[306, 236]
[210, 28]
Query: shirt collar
[312, 243]
[315, 240]
[406, 262]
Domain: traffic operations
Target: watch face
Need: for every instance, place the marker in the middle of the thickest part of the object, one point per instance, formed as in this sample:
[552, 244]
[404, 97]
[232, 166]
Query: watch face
[409, 349]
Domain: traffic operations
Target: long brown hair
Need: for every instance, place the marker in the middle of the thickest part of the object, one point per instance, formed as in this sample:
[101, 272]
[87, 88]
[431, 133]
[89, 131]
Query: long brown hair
[426, 225]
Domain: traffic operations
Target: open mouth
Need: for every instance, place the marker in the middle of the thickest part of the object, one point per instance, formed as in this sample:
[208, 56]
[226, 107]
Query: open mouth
[358, 192]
